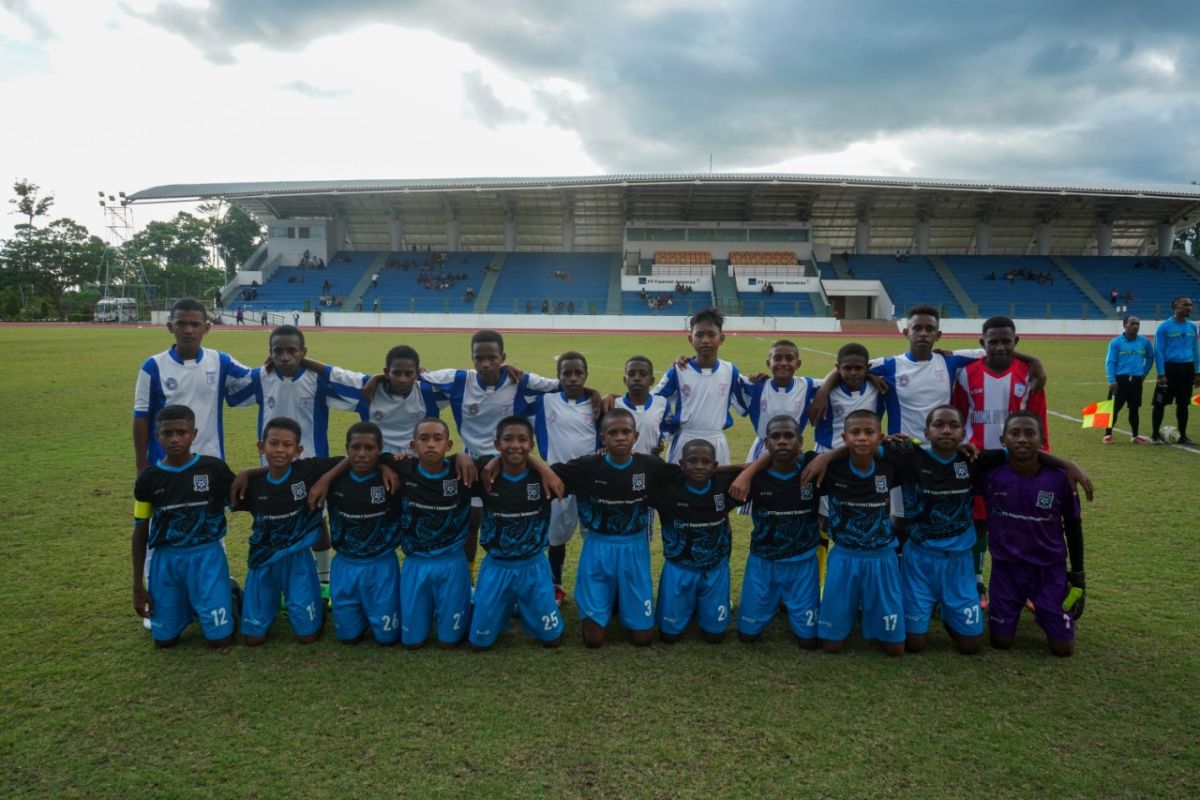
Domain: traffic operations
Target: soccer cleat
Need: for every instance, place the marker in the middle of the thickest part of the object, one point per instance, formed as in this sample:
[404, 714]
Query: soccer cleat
[1140, 440]
[560, 595]
[146, 624]
[1156, 439]
[1107, 439]
[1185, 440]
[981, 588]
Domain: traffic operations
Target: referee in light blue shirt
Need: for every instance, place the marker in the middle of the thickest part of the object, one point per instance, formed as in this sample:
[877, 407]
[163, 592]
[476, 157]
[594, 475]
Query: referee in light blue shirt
[1129, 359]
[1177, 357]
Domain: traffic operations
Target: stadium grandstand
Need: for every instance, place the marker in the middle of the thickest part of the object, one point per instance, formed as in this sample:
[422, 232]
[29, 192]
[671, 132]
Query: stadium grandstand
[785, 252]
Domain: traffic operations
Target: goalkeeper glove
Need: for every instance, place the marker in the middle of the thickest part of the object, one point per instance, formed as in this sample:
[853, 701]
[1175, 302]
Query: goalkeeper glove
[1074, 602]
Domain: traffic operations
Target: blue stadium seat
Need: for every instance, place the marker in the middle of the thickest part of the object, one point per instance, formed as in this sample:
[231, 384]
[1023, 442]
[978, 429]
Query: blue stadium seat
[528, 278]
[278, 294]
[1023, 298]
[632, 304]
[908, 283]
[780, 304]
[1153, 289]
[401, 288]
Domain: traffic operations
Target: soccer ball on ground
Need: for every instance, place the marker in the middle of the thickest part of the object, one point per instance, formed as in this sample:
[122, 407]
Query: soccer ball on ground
[1169, 434]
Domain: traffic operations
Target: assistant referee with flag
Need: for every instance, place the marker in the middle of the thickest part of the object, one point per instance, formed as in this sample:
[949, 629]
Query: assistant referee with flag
[1129, 359]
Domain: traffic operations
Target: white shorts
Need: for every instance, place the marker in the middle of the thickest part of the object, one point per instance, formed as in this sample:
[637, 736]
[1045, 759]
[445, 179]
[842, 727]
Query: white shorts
[716, 438]
[564, 519]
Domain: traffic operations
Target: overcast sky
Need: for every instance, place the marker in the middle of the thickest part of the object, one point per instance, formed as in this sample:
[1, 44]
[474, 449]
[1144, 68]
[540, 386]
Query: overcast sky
[128, 94]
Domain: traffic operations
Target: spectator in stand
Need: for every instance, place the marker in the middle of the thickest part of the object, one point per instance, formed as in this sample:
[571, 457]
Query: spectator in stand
[571, 307]
[1112, 298]
[240, 316]
[545, 306]
[217, 300]
[528, 306]
[296, 318]
[317, 317]
[263, 320]
[375, 281]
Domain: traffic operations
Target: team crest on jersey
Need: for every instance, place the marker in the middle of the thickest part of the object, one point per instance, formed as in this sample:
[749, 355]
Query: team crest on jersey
[902, 380]
[806, 492]
[306, 403]
[472, 409]
[450, 487]
[212, 378]
[718, 502]
[686, 390]
[377, 495]
[299, 492]
[377, 415]
[200, 483]
[270, 402]
[881, 484]
[171, 384]
[639, 482]
[1019, 390]
[1045, 500]
[960, 470]
[533, 491]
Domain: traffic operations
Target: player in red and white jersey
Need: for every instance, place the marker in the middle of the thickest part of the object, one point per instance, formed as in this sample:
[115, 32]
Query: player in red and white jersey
[985, 393]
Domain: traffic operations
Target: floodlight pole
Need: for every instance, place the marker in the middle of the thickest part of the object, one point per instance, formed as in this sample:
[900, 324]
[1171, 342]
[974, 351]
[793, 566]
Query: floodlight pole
[115, 267]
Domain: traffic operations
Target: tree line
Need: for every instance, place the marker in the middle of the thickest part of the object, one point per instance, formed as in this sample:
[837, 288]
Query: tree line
[54, 268]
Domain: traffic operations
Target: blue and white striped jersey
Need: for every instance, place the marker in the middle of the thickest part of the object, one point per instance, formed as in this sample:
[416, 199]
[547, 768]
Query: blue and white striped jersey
[764, 401]
[828, 432]
[306, 397]
[565, 428]
[397, 416]
[478, 409]
[917, 387]
[649, 420]
[202, 384]
[700, 398]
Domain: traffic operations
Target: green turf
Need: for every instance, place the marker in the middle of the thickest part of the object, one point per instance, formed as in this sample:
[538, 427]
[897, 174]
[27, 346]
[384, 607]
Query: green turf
[92, 710]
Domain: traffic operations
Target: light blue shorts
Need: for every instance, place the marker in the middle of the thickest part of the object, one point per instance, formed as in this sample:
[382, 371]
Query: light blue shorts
[366, 593]
[684, 593]
[294, 575]
[526, 583]
[187, 583]
[612, 568]
[869, 580]
[793, 582]
[935, 576]
[435, 587]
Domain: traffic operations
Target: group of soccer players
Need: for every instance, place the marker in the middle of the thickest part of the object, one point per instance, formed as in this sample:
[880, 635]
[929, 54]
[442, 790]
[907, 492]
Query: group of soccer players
[899, 511]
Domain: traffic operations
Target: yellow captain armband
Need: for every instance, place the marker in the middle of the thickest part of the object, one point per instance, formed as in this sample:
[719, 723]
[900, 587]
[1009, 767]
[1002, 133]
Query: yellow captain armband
[141, 509]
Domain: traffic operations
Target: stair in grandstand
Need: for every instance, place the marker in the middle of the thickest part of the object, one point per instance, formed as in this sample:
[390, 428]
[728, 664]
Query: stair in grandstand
[488, 287]
[291, 288]
[364, 282]
[840, 268]
[909, 282]
[1187, 263]
[725, 293]
[1084, 285]
[1153, 283]
[614, 285]
[954, 286]
[559, 282]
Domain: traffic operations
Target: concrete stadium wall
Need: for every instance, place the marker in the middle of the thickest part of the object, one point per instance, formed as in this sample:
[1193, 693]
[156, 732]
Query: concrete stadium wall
[1042, 327]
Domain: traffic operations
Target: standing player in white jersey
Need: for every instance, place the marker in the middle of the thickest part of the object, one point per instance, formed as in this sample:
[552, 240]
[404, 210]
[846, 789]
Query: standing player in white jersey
[854, 391]
[784, 394]
[648, 410]
[701, 393]
[479, 399]
[565, 426]
[189, 375]
[402, 400]
[304, 390]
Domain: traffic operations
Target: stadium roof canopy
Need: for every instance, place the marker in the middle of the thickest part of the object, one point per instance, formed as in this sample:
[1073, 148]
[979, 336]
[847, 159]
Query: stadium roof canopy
[600, 206]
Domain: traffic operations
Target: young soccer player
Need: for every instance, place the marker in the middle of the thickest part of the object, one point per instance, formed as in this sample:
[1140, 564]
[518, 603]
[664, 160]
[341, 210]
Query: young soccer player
[435, 581]
[985, 393]
[853, 391]
[701, 393]
[179, 512]
[516, 521]
[612, 491]
[1177, 358]
[1035, 528]
[1126, 365]
[185, 374]
[566, 429]
[304, 390]
[784, 393]
[781, 569]
[693, 504]
[648, 409]
[284, 529]
[862, 570]
[402, 400]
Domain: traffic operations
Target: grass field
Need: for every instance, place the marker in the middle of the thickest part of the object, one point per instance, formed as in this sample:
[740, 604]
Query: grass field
[91, 709]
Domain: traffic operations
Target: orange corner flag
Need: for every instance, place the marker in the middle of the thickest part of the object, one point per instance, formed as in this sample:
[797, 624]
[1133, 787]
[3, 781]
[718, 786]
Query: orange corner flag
[1098, 415]
[1196, 400]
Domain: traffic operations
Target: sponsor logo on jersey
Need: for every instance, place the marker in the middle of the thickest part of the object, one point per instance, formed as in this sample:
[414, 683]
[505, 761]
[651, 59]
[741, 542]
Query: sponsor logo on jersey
[212, 378]
[450, 487]
[881, 484]
[639, 482]
[200, 483]
[960, 470]
[171, 384]
[718, 502]
[377, 415]
[377, 495]
[806, 492]
[299, 492]
[533, 491]
[1045, 500]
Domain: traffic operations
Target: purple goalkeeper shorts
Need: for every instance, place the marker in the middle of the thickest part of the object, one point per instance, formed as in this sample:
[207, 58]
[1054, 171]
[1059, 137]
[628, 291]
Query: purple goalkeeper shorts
[1014, 582]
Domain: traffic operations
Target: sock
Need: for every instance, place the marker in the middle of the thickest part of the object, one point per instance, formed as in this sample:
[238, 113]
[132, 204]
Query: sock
[1134, 418]
[1107, 432]
[979, 550]
[474, 571]
[558, 555]
[322, 557]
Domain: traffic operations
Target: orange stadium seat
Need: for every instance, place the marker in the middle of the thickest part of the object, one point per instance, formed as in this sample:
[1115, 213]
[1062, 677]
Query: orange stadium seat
[682, 257]
[747, 257]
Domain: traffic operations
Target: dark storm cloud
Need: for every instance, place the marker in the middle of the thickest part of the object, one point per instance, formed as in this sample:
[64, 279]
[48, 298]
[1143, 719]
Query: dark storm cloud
[315, 92]
[762, 81]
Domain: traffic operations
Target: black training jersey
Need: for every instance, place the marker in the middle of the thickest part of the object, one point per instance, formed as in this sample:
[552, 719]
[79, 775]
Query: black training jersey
[186, 505]
[785, 513]
[283, 522]
[612, 498]
[364, 521]
[695, 520]
[436, 508]
[938, 493]
[860, 504]
[516, 515]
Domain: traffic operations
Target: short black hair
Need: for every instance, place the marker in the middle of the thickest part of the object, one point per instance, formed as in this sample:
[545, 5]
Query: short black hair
[784, 343]
[567, 356]
[283, 424]
[1023, 414]
[188, 304]
[286, 330]
[643, 359]
[694, 443]
[853, 349]
[438, 420]
[1127, 317]
[480, 337]
[943, 407]
[617, 412]
[401, 351]
[367, 428]
[514, 420]
[782, 419]
[861, 412]
[998, 321]
[925, 310]
[709, 314]
[174, 412]
[1174, 300]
